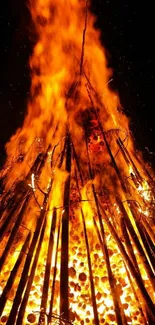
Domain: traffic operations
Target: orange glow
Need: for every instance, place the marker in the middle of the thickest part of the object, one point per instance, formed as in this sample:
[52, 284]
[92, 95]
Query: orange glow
[73, 160]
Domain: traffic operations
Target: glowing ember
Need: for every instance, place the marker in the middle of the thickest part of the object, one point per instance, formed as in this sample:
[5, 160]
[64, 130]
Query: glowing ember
[77, 208]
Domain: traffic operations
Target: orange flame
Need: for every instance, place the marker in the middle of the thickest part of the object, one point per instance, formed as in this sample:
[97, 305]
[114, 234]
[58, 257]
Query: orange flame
[70, 77]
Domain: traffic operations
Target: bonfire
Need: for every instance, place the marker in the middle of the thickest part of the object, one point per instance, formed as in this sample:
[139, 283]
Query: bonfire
[77, 205]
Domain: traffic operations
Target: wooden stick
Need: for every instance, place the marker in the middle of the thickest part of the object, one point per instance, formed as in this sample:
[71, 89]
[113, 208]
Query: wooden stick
[140, 307]
[124, 149]
[14, 232]
[54, 275]
[148, 228]
[47, 271]
[64, 303]
[8, 220]
[148, 237]
[128, 245]
[123, 185]
[13, 274]
[96, 319]
[145, 170]
[30, 278]
[142, 249]
[123, 152]
[146, 298]
[24, 275]
[119, 318]
[150, 249]
[84, 38]
[136, 242]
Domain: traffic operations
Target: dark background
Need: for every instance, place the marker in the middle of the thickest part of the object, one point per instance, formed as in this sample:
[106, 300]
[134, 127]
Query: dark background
[128, 35]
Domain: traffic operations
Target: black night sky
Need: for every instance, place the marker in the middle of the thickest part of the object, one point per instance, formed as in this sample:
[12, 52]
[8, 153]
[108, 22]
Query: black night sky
[127, 34]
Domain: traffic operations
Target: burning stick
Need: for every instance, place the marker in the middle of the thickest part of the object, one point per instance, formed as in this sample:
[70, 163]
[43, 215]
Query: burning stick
[96, 319]
[13, 273]
[24, 276]
[30, 279]
[126, 153]
[64, 309]
[47, 271]
[54, 275]
[148, 246]
[13, 233]
[152, 184]
[128, 245]
[84, 37]
[52, 107]
[143, 313]
[8, 220]
[138, 244]
[145, 296]
[124, 187]
[149, 238]
[118, 313]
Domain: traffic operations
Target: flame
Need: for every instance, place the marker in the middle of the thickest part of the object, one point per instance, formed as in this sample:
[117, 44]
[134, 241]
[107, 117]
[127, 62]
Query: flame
[100, 186]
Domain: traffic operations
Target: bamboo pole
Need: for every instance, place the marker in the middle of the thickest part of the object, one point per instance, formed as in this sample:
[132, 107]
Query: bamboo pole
[142, 248]
[148, 228]
[148, 238]
[143, 313]
[123, 185]
[13, 274]
[96, 319]
[38, 164]
[13, 233]
[22, 308]
[145, 170]
[128, 245]
[5, 202]
[47, 271]
[121, 144]
[145, 296]
[137, 243]
[84, 38]
[8, 219]
[149, 248]
[64, 302]
[123, 152]
[118, 313]
[24, 276]
[133, 259]
[54, 275]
